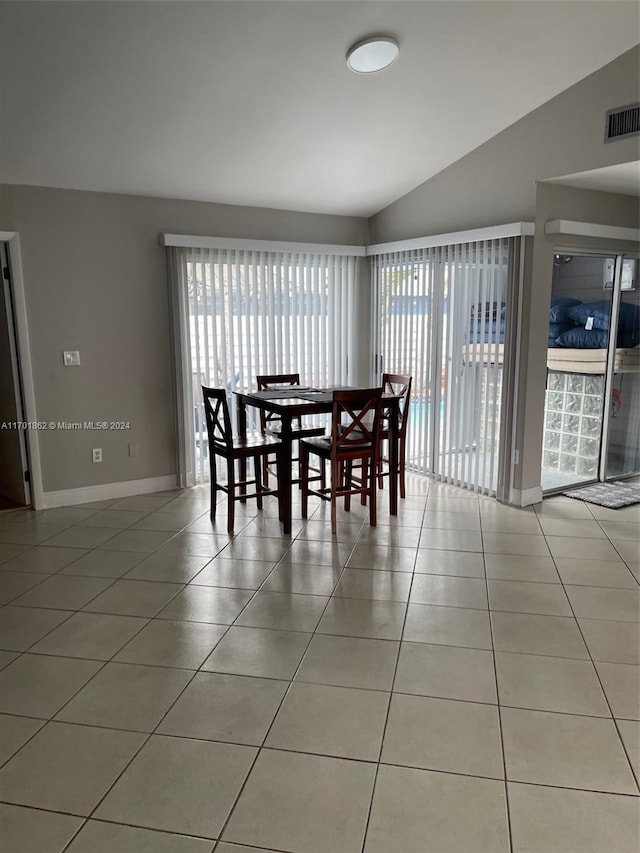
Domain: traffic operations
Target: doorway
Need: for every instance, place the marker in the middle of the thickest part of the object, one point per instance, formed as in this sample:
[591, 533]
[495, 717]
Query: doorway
[14, 468]
[592, 401]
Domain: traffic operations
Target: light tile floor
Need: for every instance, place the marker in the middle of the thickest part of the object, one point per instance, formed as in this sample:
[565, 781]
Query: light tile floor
[461, 679]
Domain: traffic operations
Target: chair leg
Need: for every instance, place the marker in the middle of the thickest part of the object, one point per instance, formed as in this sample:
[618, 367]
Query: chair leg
[402, 451]
[243, 479]
[380, 475]
[299, 467]
[231, 497]
[304, 479]
[214, 486]
[335, 474]
[373, 506]
[347, 473]
[364, 468]
[265, 469]
[258, 474]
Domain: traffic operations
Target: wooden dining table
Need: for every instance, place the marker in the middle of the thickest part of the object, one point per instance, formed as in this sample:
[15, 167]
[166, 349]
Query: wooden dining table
[292, 403]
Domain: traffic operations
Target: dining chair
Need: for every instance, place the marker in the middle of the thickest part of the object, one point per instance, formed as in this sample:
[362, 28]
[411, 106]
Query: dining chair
[399, 385]
[223, 443]
[270, 424]
[355, 421]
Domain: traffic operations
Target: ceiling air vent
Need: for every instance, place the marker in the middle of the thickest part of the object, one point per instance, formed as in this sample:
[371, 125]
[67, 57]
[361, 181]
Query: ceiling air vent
[622, 122]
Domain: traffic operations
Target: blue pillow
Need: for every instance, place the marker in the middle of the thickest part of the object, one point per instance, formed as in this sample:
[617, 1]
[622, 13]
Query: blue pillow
[559, 307]
[600, 311]
[556, 329]
[579, 338]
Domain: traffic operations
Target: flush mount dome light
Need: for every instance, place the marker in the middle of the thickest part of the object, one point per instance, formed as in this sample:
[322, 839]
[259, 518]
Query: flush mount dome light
[372, 54]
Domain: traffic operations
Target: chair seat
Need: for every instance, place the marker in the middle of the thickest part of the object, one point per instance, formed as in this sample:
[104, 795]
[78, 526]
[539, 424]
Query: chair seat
[253, 440]
[322, 445]
[296, 432]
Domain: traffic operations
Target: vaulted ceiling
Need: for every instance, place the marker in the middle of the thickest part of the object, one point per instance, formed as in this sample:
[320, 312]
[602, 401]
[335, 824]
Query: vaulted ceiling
[251, 103]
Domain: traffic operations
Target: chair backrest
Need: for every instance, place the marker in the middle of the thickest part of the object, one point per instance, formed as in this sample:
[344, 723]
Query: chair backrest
[269, 382]
[277, 380]
[355, 419]
[216, 411]
[399, 385]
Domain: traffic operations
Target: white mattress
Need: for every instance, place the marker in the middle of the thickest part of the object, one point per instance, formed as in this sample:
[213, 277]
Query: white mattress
[563, 359]
[592, 361]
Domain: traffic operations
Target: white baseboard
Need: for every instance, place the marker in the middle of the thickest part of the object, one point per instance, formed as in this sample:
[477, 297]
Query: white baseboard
[526, 497]
[107, 491]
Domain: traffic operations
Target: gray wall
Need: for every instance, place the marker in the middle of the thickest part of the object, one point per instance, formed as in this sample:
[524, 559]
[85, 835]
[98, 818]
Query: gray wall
[555, 201]
[495, 183]
[95, 280]
[11, 474]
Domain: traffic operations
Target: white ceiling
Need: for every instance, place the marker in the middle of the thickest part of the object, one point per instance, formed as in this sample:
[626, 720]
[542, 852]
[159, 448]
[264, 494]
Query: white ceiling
[623, 178]
[251, 103]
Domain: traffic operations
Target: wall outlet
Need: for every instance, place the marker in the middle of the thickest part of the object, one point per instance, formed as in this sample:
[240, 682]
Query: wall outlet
[97, 454]
[71, 358]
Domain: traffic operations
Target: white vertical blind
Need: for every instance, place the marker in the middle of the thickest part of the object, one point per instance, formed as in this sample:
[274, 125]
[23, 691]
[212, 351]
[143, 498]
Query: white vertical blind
[246, 312]
[440, 314]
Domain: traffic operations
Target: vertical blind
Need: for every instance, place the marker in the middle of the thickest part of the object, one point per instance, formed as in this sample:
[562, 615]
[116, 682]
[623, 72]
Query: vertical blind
[242, 313]
[441, 315]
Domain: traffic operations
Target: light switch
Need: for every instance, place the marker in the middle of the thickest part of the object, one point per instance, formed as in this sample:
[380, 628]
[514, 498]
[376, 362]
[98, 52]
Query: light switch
[71, 358]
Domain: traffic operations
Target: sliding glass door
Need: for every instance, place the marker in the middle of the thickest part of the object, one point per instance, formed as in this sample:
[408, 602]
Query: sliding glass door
[239, 313]
[592, 406]
[441, 316]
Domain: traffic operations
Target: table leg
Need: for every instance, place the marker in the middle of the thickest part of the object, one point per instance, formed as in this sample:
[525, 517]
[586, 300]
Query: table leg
[242, 431]
[284, 474]
[394, 440]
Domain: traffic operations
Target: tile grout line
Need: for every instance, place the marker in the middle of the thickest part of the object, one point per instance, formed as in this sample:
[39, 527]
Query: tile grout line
[393, 679]
[261, 746]
[499, 710]
[604, 693]
[312, 635]
[150, 734]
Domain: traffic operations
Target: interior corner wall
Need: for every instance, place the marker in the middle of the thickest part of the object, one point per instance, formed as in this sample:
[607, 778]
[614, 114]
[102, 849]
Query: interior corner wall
[554, 201]
[496, 183]
[95, 281]
[11, 473]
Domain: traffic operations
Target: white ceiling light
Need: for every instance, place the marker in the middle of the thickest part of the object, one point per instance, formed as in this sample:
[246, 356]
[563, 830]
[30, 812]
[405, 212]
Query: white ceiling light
[372, 54]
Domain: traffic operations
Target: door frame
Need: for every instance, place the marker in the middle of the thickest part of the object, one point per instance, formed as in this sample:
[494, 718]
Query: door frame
[11, 239]
[616, 297]
[618, 254]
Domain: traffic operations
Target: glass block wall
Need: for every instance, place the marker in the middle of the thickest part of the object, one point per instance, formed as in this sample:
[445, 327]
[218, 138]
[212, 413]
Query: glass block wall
[573, 423]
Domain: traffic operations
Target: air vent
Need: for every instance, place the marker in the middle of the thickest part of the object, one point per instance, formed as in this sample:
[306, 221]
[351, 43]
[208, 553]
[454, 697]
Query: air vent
[622, 122]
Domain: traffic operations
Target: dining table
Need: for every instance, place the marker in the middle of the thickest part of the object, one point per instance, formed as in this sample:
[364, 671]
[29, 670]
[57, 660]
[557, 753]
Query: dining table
[294, 402]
